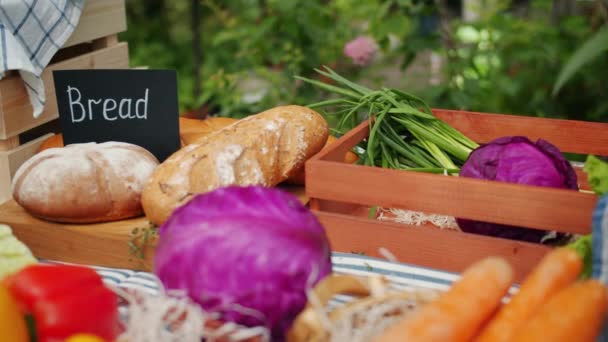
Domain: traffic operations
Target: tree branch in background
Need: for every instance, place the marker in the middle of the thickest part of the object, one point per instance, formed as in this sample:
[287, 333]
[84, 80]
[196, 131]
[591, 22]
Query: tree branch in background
[600, 10]
[562, 9]
[447, 38]
[263, 4]
[196, 48]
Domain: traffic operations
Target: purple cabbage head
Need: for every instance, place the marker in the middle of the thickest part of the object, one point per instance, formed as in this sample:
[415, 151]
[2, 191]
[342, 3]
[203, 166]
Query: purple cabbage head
[249, 253]
[516, 159]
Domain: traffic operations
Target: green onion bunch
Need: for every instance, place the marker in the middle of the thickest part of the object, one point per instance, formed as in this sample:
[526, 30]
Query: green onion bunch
[404, 133]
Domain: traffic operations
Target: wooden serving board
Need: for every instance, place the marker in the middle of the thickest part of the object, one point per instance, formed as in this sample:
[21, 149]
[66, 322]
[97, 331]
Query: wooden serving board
[109, 244]
[102, 244]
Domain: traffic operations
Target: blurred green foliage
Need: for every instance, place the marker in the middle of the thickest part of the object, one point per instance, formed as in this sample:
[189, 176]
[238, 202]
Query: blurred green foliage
[251, 49]
[509, 64]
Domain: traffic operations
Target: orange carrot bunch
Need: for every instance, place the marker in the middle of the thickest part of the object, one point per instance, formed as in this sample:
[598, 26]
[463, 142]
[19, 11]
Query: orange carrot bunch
[551, 305]
[556, 271]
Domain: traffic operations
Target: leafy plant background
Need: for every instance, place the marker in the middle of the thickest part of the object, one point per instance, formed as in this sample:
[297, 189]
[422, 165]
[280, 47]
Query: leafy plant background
[506, 60]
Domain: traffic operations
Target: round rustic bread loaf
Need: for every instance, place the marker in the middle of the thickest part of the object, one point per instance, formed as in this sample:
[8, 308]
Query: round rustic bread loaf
[84, 183]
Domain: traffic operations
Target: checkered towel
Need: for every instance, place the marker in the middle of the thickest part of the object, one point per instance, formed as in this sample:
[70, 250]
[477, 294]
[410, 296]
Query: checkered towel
[31, 32]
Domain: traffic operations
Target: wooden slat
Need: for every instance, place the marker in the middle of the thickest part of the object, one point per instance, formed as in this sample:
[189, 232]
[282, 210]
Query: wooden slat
[528, 206]
[344, 144]
[99, 18]
[103, 244]
[16, 114]
[568, 135]
[105, 42]
[434, 248]
[9, 143]
[10, 162]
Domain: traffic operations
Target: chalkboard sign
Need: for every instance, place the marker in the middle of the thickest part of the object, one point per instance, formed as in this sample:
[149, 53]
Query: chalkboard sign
[135, 106]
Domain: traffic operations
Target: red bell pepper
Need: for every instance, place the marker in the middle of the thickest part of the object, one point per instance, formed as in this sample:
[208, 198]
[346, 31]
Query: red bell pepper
[65, 300]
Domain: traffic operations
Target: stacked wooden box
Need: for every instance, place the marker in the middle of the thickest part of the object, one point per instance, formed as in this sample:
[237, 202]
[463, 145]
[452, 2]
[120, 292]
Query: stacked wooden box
[93, 45]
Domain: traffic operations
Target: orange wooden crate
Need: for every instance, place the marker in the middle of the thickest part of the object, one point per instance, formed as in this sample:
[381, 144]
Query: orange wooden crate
[340, 194]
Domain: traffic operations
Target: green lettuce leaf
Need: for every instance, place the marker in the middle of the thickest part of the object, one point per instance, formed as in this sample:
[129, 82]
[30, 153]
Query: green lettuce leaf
[583, 246]
[14, 255]
[597, 174]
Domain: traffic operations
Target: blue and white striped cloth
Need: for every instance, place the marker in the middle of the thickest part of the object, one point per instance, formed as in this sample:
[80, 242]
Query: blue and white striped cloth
[401, 276]
[600, 248]
[31, 32]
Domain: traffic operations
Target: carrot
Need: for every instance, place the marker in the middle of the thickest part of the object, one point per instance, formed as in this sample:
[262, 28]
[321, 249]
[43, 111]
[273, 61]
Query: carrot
[459, 312]
[558, 269]
[574, 314]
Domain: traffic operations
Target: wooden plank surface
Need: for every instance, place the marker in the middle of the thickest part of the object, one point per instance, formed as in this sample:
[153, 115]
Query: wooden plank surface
[103, 244]
[11, 160]
[99, 18]
[16, 111]
[434, 248]
[345, 143]
[568, 135]
[528, 206]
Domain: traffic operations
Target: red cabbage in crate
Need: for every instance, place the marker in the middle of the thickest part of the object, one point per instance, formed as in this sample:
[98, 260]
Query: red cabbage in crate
[244, 247]
[518, 160]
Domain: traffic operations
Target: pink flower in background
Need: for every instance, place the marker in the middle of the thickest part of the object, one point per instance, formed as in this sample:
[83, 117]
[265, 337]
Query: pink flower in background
[361, 50]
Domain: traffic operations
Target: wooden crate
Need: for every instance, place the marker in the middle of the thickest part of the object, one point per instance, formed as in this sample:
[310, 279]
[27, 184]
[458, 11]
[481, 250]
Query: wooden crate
[341, 194]
[86, 48]
[93, 45]
[99, 18]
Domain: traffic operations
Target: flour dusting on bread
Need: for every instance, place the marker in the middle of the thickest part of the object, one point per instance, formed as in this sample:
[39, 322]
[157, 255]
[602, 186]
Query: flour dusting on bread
[224, 164]
[36, 184]
[180, 177]
[134, 173]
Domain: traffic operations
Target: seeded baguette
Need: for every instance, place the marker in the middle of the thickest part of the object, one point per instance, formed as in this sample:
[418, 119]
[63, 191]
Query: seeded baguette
[263, 149]
[202, 128]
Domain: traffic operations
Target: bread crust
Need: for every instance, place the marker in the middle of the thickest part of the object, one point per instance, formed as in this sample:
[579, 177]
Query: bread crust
[198, 129]
[263, 149]
[84, 183]
[299, 177]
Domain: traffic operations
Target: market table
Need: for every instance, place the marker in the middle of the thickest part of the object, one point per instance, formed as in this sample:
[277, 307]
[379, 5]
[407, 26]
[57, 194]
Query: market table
[401, 275]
